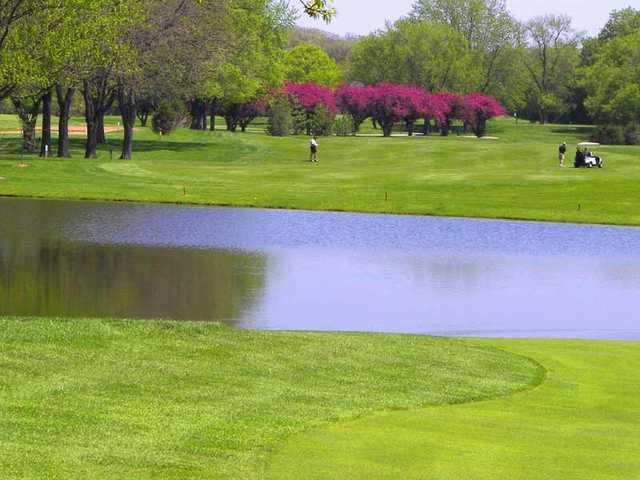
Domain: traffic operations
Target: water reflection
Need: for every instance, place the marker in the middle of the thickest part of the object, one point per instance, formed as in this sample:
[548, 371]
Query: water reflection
[56, 278]
[319, 271]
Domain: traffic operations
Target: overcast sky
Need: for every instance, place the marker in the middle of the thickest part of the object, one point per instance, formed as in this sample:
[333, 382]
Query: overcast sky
[364, 16]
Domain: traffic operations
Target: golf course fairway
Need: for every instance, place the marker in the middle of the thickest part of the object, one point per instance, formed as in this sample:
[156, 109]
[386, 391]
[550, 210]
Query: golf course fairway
[582, 422]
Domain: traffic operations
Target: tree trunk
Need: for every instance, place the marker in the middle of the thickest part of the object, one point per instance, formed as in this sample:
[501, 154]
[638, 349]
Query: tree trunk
[232, 123]
[198, 115]
[98, 93]
[64, 106]
[203, 113]
[409, 125]
[127, 103]
[387, 129]
[426, 128]
[445, 128]
[143, 117]
[100, 136]
[213, 110]
[29, 140]
[45, 143]
[91, 147]
[28, 110]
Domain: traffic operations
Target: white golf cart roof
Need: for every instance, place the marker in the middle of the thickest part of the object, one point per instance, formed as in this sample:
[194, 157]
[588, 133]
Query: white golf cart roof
[588, 144]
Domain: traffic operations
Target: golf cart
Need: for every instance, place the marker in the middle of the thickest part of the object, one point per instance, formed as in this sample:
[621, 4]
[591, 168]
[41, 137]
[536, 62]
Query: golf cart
[585, 158]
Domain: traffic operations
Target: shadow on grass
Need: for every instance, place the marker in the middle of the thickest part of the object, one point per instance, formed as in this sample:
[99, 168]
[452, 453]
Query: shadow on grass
[573, 130]
[11, 147]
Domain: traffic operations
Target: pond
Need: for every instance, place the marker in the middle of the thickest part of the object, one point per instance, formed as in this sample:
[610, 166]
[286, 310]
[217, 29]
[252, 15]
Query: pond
[275, 269]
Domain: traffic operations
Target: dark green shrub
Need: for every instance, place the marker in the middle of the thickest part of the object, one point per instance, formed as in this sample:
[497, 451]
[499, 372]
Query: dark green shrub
[322, 122]
[608, 135]
[301, 120]
[168, 117]
[344, 126]
[632, 135]
[280, 118]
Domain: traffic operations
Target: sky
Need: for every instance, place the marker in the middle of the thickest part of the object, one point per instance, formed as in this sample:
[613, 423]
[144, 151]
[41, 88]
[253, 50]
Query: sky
[364, 16]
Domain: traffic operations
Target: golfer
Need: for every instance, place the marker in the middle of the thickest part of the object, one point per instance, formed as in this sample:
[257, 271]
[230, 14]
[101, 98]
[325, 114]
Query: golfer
[562, 152]
[313, 146]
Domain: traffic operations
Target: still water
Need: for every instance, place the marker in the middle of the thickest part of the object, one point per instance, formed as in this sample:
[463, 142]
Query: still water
[272, 269]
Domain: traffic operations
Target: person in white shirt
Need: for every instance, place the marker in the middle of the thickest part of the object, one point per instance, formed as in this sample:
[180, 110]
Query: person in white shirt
[313, 145]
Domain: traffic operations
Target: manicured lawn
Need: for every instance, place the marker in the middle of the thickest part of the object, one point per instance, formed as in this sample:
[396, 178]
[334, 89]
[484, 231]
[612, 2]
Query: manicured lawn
[516, 176]
[582, 422]
[98, 399]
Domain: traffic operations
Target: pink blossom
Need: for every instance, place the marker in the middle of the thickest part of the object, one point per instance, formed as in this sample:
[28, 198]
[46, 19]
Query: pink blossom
[356, 101]
[477, 108]
[311, 95]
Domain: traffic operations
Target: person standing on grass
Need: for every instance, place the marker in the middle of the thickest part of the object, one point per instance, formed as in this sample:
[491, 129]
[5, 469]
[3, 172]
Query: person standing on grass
[313, 146]
[562, 153]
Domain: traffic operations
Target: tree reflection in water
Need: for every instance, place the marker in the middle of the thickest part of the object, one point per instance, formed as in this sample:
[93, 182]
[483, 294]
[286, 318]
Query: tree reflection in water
[59, 278]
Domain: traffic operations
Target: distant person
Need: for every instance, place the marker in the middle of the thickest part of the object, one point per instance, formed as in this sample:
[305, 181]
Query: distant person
[562, 153]
[313, 146]
[580, 158]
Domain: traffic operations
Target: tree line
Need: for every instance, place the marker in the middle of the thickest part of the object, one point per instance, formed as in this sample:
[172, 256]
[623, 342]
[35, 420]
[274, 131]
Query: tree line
[200, 59]
[311, 109]
[542, 69]
[139, 57]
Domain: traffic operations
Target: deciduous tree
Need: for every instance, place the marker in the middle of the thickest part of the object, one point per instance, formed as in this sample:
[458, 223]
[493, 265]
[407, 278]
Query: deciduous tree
[309, 63]
[551, 61]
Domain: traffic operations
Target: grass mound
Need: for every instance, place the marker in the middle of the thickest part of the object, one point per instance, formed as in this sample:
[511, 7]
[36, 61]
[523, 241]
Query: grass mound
[117, 399]
[581, 423]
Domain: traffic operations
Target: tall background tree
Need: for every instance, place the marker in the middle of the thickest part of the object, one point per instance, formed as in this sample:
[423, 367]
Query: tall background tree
[309, 63]
[491, 32]
[430, 55]
[551, 59]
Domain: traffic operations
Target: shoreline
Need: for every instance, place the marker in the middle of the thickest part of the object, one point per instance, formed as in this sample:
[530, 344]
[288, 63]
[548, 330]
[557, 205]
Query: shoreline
[251, 206]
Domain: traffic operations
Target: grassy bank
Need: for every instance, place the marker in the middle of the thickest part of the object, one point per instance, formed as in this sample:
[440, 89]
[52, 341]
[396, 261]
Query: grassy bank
[581, 423]
[115, 399]
[515, 176]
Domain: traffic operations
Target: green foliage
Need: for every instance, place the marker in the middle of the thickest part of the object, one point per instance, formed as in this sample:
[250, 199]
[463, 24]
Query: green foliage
[612, 81]
[344, 125]
[309, 63]
[335, 46]
[322, 122]
[280, 117]
[551, 61]
[168, 117]
[492, 34]
[432, 56]
[621, 23]
[319, 9]
[300, 118]
[632, 134]
[608, 135]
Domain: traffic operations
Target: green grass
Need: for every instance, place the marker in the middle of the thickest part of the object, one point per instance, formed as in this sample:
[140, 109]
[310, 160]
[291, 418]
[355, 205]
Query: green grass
[583, 423]
[105, 399]
[516, 176]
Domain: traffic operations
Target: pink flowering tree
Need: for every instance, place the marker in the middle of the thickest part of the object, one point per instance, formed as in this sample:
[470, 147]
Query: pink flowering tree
[314, 101]
[355, 100]
[448, 106]
[387, 106]
[415, 102]
[477, 109]
[242, 114]
[248, 112]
